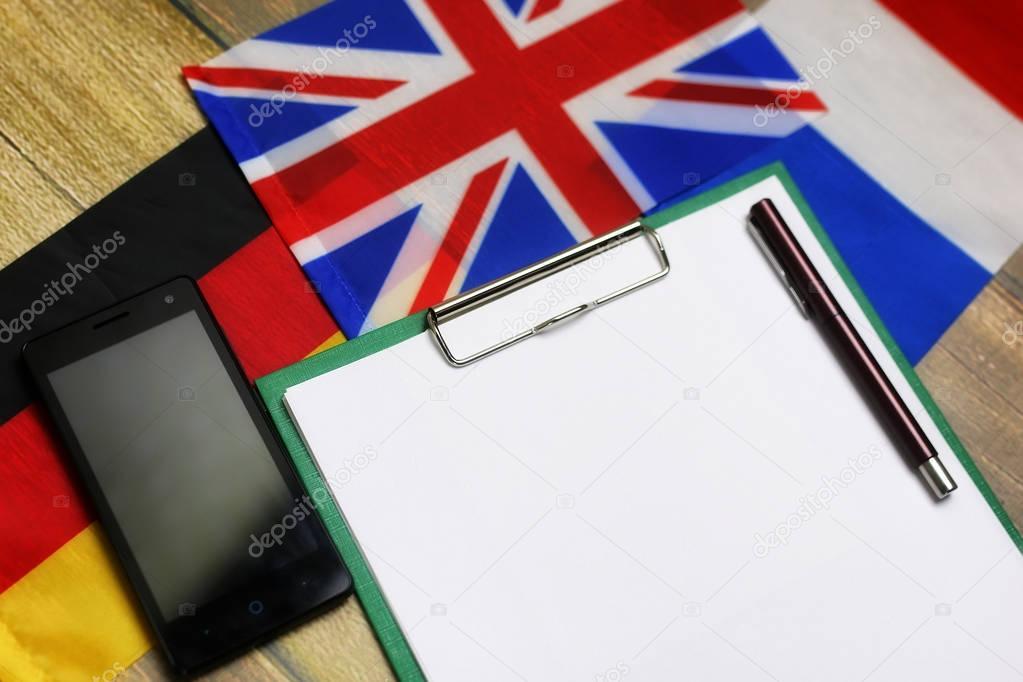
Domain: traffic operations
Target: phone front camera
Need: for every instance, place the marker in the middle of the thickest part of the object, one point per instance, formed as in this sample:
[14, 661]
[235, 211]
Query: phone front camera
[168, 299]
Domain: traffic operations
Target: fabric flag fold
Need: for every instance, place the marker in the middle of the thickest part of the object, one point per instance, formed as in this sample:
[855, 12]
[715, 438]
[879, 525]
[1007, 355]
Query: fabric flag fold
[408, 151]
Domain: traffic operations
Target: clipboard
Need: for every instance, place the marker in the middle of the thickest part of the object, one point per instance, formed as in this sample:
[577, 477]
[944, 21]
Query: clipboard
[273, 387]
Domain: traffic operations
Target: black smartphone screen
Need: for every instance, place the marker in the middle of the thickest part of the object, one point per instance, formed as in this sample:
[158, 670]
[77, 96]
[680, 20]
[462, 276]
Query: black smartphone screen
[179, 461]
[212, 520]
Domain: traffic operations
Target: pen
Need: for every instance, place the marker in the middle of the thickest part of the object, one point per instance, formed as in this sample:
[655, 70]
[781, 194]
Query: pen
[815, 300]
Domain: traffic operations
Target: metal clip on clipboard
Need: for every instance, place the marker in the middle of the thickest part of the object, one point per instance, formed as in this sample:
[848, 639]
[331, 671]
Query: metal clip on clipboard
[484, 294]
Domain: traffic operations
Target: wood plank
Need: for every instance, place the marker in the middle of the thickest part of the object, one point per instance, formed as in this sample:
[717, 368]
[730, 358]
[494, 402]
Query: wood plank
[31, 205]
[988, 339]
[92, 94]
[232, 21]
[1011, 275]
[339, 645]
[990, 428]
[974, 374]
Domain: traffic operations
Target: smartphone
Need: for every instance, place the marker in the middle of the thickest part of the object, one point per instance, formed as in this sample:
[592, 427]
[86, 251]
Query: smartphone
[203, 508]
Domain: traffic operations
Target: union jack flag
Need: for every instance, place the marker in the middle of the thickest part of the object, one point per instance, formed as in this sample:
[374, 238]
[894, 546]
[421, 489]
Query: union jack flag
[408, 150]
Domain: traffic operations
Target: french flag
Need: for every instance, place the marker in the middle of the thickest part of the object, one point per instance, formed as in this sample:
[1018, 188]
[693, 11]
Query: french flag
[914, 172]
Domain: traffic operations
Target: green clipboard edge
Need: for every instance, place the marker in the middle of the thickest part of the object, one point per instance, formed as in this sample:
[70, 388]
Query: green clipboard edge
[272, 387]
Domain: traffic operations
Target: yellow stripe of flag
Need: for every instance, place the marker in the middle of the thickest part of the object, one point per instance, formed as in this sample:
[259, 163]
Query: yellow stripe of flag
[71, 617]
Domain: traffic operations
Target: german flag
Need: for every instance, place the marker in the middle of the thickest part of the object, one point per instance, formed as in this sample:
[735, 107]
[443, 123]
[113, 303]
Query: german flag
[190, 213]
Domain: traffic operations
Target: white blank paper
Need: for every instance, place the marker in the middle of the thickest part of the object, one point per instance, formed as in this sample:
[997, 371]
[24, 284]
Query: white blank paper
[683, 484]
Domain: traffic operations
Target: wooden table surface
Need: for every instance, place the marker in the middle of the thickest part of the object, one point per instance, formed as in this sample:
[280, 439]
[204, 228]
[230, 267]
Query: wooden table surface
[92, 94]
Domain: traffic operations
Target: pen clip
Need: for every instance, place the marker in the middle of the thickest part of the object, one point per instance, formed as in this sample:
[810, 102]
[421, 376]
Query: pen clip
[776, 264]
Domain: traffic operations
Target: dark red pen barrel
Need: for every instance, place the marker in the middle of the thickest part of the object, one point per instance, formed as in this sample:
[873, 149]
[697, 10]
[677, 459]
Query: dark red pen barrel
[816, 300]
[874, 383]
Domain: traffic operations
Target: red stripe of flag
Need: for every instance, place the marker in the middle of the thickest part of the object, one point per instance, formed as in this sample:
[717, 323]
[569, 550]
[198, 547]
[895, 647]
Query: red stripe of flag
[270, 313]
[43, 505]
[266, 79]
[463, 226]
[981, 38]
[683, 91]
[543, 7]
[265, 306]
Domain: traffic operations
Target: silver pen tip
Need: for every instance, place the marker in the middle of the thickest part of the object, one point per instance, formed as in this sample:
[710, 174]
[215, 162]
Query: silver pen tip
[937, 477]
